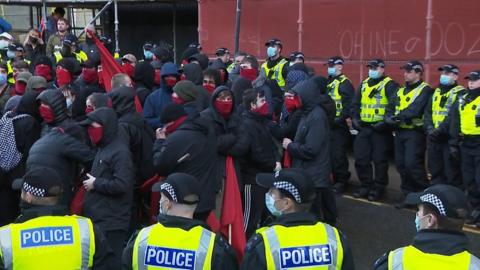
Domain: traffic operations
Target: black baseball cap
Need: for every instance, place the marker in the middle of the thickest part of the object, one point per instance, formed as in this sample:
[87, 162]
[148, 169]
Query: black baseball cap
[473, 76]
[40, 182]
[374, 63]
[195, 45]
[413, 65]
[294, 181]
[447, 200]
[449, 68]
[296, 54]
[70, 40]
[178, 186]
[335, 60]
[16, 47]
[273, 42]
[148, 46]
[221, 51]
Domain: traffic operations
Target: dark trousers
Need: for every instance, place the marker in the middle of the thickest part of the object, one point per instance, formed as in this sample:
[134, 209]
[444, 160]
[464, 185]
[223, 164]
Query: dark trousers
[340, 139]
[254, 207]
[324, 206]
[471, 175]
[444, 170]
[371, 146]
[117, 240]
[410, 159]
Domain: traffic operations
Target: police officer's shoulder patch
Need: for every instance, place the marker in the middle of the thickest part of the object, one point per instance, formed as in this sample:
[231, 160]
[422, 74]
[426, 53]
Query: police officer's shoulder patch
[254, 241]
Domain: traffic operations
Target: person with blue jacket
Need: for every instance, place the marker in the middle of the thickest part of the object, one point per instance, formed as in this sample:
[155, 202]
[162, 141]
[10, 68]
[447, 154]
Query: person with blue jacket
[161, 97]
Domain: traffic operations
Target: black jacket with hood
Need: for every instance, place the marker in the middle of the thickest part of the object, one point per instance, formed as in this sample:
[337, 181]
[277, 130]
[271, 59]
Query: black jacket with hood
[193, 73]
[310, 148]
[64, 150]
[144, 79]
[55, 99]
[134, 130]
[109, 204]
[191, 149]
[226, 130]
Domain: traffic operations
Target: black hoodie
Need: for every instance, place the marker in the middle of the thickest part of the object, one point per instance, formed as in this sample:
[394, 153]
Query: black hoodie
[225, 129]
[144, 80]
[193, 73]
[55, 99]
[109, 204]
[134, 130]
[191, 149]
[310, 149]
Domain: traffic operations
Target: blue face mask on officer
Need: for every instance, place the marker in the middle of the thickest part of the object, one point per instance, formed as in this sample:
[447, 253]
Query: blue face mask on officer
[446, 80]
[374, 73]
[11, 54]
[270, 203]
[148, 54]
[332, 71]
[3, 79]
[271, 51]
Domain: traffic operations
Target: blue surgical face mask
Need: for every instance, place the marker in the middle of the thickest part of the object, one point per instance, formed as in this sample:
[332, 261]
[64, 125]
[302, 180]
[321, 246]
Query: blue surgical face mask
[3, 79]
[4, 44]
[270, 203]
[271, 51]
[445, 79]
[11, 54]
[417, 222]
[332, 71]
[373, 73]
[148, 54]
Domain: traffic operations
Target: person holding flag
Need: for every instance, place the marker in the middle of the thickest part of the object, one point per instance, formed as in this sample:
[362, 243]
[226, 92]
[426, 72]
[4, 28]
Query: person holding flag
[177, 240]
[296, 239]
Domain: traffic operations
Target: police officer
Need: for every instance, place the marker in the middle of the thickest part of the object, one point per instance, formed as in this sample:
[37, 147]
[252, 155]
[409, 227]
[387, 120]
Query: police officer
[223, 60]
[70, 49]
[465, 132]
[148, 51]
[275, 67]
[44, 236]
[177, 241]
[373, 99]
[439, 242]
[442, 167]
[407, 119]
[295, 239]
[340, 89]
[15, 53]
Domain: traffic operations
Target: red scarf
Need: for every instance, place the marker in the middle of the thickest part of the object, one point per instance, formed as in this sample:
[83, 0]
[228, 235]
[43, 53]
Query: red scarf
[262, 110]
[224, 108]
[63, 77]
[172, 127]
[44, 71]
[249, 74]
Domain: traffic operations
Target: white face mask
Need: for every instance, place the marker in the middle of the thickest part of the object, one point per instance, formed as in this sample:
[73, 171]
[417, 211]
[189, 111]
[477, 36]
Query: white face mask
[4, 44]
[162, 211]
[69, 102]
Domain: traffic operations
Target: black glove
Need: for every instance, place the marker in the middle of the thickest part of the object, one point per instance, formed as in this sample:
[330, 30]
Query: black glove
[356, 124]
[434, 135]
[454, 153]
[392, 121]
[380, 126]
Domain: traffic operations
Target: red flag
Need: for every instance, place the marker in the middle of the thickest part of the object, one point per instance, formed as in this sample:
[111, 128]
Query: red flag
[231, 220]
[287, 160]
[110, 67]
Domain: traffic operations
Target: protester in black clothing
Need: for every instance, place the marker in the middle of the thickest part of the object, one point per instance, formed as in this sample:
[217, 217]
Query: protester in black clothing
[187, 144]
[310, 149]
[144, 80]
[257, 153]
[27, 131]
[108, 200]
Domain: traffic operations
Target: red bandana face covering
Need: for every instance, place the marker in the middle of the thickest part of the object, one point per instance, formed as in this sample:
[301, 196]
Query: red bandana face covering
[88, 109]
[249, 74]
[90, 75]
[44, 71]
[95, 134]
[20, 88]
[128, 69]
[292, 103]
[177, 100]
[63, 77]
[172, 127]
[210, 87]
[262, 110]
[224, 108]
[170, 82]
[46, 113]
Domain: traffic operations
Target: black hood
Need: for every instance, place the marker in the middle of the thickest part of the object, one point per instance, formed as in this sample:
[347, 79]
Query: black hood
[189, 52]
[195, 122]
[28, 105]
[308, 93]
[108, 119]
[238, 87]
[55, 99]
[193, 72]
[123, 99]
[144, 74]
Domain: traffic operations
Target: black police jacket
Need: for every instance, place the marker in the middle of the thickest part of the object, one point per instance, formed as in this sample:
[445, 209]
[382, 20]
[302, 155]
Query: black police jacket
[255, 251]
[223, 256]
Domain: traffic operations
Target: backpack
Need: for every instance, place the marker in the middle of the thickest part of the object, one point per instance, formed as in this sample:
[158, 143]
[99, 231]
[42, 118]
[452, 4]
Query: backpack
[9, 154]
